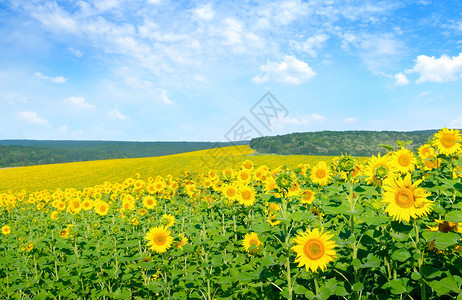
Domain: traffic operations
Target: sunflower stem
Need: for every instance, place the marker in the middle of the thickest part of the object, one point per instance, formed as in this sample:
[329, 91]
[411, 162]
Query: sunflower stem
[423, 293]
[316, 284]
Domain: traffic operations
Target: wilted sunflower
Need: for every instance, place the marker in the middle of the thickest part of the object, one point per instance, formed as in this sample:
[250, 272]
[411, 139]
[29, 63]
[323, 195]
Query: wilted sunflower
[314, 249]
[6, 229]
[320, 173]
[251, 243]
[405, 160]
[448, 141]
[405, 199]
[159, 239]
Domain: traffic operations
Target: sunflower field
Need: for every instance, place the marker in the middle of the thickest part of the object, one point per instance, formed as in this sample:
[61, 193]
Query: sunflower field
[388, 227]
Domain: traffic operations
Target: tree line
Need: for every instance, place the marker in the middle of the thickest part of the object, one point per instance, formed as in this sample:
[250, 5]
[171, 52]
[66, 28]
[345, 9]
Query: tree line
[357, 143]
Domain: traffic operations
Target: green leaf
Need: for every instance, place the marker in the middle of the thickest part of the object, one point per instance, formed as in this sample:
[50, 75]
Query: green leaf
[416, 275]
[358, 286]
[454, 216]
[444, 240]
[300, 289]
[445, 285]
[401, 255]
[397, 286]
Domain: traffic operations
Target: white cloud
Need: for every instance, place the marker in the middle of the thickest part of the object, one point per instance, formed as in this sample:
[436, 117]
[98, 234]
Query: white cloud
[456, 123]
[115, 114]
[80, 103]
[311, 44]
[164, 98]
[350, 120]
[280, 122]
[55, 18]
[58, 79]
[401, 79]
[377, 51]
[440, 69]
[32, 117]
[200, 78]
[288, 11]
[155, 2]
[204, 13]
[290, 70]
[76, 52]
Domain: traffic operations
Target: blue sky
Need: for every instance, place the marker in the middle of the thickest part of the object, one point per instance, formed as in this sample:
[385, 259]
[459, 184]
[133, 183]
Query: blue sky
[161, 70]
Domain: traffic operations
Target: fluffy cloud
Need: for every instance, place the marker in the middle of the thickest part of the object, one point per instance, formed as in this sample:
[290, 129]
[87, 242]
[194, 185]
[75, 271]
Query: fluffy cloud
[204, 13]
[80, 103]
[350, 120]
[290, 70]
[115, 114]
[164, 98]
[32, 117]
[311, 44]
[440, 69]
[58, 80]
[401, 79]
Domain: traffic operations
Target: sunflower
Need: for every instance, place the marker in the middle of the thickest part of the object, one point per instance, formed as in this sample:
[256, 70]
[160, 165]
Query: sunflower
[251, 243]
[314, 249]
[101, 208]
[425, 151]
[273, 219]
[183, 241]
[247, 165]
[246, 196]
[445, 226]
[404, 160]
[54, 215]
[6, 229]
[244, 176]
[405, 199]
[229, 191]
[142, 211]
[320, 173]
[159, 239]
[307, 196]
[65, 232]
[379, 168]
[149, 202]
[170, 220]
[431, 163]
[448, 141]
[87, 204]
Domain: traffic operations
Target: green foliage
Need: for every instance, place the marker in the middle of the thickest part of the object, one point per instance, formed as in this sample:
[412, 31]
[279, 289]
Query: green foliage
[15, 153]
[357, 143]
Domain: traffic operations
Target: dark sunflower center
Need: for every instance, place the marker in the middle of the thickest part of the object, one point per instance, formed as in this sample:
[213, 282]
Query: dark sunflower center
[404, 198]
[314, 249]
[446, 226]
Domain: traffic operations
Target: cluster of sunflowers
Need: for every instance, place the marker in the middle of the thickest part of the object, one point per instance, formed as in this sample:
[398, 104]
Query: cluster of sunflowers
[296, 209]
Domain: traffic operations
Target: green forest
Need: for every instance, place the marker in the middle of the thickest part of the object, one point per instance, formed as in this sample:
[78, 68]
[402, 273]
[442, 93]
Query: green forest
[15, 153]
[356, 143]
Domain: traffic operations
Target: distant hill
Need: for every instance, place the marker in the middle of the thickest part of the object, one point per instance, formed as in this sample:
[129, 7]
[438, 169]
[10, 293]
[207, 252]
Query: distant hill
[357, 143]
[14, 153]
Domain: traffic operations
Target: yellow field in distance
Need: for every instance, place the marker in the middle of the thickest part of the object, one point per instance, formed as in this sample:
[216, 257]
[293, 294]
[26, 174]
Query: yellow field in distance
[90, 173]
